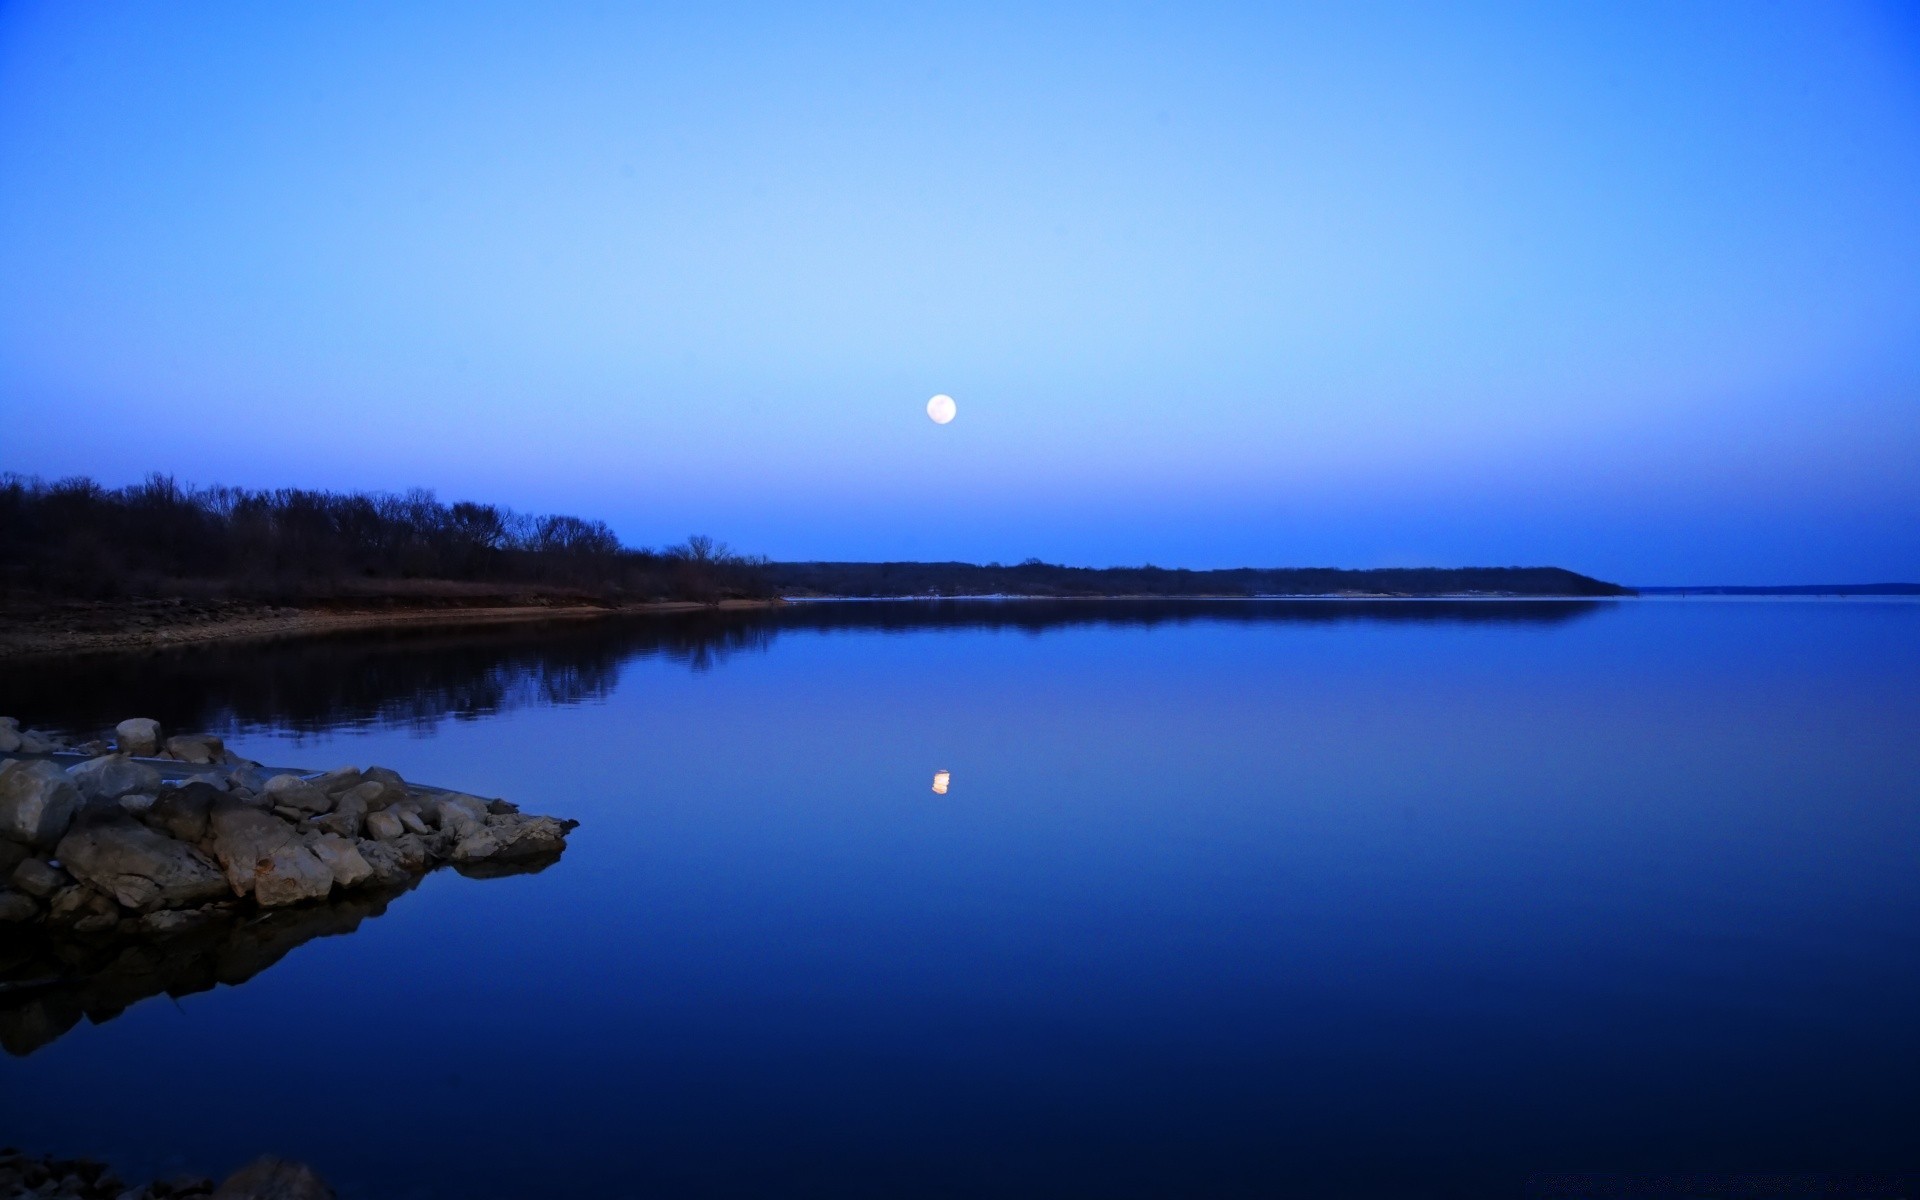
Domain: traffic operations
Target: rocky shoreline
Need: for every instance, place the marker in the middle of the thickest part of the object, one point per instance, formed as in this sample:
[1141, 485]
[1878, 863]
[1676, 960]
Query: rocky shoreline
[154, 837]
[265, 1178]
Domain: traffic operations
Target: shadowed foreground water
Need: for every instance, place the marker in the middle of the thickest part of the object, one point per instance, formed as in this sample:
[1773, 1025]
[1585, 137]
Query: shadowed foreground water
[1228, 899]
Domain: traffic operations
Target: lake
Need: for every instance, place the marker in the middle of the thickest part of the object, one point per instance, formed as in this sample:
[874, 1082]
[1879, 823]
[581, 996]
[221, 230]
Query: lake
[1233, 898]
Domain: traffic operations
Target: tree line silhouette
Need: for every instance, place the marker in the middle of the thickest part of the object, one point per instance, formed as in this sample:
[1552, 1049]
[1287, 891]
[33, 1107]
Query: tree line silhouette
[77, 538]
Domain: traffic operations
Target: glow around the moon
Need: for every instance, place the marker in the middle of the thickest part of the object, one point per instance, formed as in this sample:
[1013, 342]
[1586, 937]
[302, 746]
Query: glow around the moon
[941, 409]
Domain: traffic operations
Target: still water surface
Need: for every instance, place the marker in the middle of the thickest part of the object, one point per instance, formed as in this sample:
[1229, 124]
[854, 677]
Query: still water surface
[1229, 899]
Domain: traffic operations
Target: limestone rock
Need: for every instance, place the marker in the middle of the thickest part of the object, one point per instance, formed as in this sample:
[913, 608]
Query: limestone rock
[9, 735]
[36, 877]
[384, 826]
[138, 735]
[197, 748]
[410, 818]
[136, 804]
[32, 741]
[514, 837]
[291, 791]
[112, 776]
[141, 869]
[349, 867]
[270, 1178]
[37, 800]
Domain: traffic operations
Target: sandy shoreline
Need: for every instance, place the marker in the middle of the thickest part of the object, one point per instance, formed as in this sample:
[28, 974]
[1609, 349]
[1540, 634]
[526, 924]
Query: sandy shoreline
[154, 627]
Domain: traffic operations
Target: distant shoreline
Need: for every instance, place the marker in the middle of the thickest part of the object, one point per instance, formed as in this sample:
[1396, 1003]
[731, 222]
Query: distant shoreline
[75, 629]
[105, 626]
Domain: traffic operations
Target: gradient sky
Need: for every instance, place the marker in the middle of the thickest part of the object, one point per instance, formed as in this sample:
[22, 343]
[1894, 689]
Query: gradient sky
[1633, 289]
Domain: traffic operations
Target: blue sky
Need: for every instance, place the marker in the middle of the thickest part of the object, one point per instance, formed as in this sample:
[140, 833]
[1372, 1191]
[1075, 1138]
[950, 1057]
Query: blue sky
[1633, 289]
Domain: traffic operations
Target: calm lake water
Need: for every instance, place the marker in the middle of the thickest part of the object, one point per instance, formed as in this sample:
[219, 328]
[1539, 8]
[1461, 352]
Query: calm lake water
[1222, 899]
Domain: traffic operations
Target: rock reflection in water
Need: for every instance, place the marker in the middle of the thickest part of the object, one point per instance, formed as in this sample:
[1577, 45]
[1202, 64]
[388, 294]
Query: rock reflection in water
[47, 984]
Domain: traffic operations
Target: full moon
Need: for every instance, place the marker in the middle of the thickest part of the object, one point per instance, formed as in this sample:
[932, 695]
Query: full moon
[941, 409]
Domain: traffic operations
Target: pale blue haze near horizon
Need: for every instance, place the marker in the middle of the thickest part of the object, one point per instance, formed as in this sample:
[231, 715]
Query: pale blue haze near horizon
[1632, 288]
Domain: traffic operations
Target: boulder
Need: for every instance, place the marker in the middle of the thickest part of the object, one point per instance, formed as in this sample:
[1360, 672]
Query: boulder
[37, 800]
[9, 738]
[411, 818]
[32, 741]
[384, 826]
[293, 874]
[291, 791]
[457, 814]
[197, 748]
[245, 839]
[17, 909]
[141, 869]
[37, 877]
[70, 906]
[337, 780]
[512, 837]
[349, 814]
[374, 795]
[414, 852]
[349, 867]
[390, 778]
[270, 1178]
[138, 735]
[12, 854]
[182, 812]
[384, 859]
[112, 776]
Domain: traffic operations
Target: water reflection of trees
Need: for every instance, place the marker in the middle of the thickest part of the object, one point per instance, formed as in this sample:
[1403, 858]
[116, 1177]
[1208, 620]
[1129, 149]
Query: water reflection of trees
[418, 678]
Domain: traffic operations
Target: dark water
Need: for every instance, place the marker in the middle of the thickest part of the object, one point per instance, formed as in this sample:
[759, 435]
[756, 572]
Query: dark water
[1232, 899]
